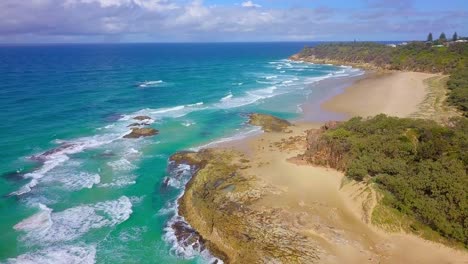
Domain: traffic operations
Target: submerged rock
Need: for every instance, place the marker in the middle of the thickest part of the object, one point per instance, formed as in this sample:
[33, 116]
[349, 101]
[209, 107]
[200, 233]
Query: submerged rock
[138, 124]
[269, 123]
[142, 132]
[142, 118]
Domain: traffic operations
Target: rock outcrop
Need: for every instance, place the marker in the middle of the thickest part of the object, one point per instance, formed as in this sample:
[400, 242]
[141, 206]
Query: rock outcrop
[269, 123]
[142, 132]
[320, 152]
[142, 118]
[220, 203]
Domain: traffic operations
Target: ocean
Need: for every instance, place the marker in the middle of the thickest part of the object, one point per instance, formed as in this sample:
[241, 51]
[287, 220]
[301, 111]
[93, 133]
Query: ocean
[73, 190]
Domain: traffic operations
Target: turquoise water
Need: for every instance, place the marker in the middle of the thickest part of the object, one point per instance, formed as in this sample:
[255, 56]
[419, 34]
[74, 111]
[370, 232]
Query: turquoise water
[100, 198]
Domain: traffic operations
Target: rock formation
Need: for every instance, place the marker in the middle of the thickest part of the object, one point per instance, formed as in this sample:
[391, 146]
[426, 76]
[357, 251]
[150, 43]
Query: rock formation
[142, 132]
[269, 123]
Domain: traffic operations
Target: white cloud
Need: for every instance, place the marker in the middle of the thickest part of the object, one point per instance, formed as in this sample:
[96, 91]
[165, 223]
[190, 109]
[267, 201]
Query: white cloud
[193, 20]
[250, 4]
[153, 5]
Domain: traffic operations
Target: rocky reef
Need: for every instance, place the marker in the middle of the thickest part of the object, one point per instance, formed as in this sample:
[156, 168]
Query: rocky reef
[221, 203]
[269, 123]
[142, 132]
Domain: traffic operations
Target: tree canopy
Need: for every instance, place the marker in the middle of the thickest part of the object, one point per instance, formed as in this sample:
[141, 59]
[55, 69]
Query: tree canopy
[442, 37]
[419, 163]
[429, 37]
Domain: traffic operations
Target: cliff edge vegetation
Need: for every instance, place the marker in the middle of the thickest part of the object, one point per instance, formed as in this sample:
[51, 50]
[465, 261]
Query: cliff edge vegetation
[419, 165]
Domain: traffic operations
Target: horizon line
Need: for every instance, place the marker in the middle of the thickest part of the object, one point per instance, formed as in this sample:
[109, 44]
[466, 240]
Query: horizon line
[194, 42]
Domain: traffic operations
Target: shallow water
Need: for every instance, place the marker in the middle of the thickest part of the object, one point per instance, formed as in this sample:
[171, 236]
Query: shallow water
[73, 190]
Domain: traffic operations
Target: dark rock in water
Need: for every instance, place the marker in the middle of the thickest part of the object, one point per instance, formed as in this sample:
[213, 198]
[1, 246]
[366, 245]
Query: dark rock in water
[269, 123]
[13, 175]
[137, 124]
[107, 154]
[166, 182]
[113, 117]
[142, 132]
[187, 236]
[141, 118]
[42, 157]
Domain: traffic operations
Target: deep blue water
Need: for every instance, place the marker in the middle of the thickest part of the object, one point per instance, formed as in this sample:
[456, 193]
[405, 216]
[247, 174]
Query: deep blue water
[99, 198]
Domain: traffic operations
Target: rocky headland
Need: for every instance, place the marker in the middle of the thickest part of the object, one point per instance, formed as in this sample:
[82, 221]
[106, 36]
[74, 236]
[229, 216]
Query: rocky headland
[272, 206]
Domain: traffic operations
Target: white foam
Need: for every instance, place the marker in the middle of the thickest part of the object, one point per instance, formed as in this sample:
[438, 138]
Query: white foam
[170, 112]
[119, 181]
[53, 158]
[75, 181]
[188, 249]
[227, 97]
[121, 165]
[250, 97]
[150, 83]
[188, 123]
[47, 227]
[179, 176]
[74, 254]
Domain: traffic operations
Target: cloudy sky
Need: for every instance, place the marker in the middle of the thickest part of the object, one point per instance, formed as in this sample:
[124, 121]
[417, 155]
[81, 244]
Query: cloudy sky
[43, 21]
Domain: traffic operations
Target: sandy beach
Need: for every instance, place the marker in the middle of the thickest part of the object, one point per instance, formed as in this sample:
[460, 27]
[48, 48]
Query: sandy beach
[314, 202]
[396, 93]
[334, 214]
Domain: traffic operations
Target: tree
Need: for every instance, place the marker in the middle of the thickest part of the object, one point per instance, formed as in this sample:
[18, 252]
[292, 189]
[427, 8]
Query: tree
[429, 37]
[442, 37]
[455, 36]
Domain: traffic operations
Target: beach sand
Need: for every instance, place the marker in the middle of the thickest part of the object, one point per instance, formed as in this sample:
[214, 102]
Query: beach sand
[396, 93]
[334, 216]
[331, 213]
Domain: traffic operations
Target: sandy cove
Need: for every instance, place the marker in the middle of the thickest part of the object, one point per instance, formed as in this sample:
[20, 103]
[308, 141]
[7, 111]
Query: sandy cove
[396, 94]
[251, 204]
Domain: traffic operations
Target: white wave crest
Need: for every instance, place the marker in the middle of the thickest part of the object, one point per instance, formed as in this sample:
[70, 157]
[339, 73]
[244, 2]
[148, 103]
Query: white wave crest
[150, 83]
[170, 112]
[227, 97]
[47, 227]
[57, 156]
[59, 255]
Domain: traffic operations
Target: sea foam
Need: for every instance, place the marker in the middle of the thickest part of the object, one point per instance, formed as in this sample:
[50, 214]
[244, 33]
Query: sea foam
[71, 254]
[47, 227]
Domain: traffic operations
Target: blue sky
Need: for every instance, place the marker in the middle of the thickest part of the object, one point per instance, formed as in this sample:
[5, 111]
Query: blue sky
[43, 21]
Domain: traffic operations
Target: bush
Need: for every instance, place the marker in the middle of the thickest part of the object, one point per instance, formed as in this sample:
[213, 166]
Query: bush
[421, 164]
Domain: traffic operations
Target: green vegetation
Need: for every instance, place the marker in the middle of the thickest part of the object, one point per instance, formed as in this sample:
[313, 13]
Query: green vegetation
[419, 164]
[416, 56]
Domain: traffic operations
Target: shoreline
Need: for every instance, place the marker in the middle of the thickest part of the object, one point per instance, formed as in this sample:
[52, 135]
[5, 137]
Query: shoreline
[397, 94]
[323, 196]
